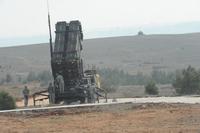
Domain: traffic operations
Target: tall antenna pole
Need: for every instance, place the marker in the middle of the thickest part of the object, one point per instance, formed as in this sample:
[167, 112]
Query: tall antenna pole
[50, 36]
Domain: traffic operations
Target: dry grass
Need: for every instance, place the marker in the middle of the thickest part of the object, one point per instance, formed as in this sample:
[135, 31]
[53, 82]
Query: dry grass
[131, 53]
[144, 119]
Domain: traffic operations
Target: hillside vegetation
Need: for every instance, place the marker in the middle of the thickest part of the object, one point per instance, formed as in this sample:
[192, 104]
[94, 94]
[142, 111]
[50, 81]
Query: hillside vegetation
[132, 54]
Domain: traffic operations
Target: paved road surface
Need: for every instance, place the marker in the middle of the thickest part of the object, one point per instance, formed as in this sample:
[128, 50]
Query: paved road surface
[181, 99]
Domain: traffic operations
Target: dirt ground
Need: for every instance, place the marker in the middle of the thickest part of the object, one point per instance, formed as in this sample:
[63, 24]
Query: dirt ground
[148, 118]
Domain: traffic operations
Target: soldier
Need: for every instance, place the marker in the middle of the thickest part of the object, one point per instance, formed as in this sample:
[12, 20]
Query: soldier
[26, 95]
[51, 93]
[60, 82]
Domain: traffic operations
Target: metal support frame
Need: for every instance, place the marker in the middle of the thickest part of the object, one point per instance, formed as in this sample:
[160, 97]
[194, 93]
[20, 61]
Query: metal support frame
[41, 93]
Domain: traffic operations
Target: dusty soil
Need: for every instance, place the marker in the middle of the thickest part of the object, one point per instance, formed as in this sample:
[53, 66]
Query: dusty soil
[147, 118]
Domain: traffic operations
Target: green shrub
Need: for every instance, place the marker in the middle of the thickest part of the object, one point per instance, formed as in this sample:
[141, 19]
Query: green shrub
[151, 88]
[187, 81]
[6, 101]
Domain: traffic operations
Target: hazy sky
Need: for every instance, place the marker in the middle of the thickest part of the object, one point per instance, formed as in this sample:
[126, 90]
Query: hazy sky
[28, 18]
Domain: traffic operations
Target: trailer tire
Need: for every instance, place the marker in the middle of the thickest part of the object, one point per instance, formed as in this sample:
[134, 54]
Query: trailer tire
[91, 95]
[82, 100]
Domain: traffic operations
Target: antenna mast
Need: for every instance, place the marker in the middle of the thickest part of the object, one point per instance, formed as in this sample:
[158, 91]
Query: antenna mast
[50, 36]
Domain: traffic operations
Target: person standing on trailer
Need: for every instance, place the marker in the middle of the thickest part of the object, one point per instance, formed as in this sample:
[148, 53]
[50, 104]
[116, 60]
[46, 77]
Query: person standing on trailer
[59, 82]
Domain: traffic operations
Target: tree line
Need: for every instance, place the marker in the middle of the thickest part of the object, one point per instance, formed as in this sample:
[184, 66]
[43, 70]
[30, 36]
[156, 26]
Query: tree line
[119, 77]
[112, 78]
[43, 76]
[186, 81]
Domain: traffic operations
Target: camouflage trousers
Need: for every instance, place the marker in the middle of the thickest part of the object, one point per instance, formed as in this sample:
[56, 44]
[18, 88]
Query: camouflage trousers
[25, 100]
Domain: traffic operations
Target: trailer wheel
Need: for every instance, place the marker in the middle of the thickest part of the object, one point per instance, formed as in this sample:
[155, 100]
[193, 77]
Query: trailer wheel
[82, 100]
[91, 95]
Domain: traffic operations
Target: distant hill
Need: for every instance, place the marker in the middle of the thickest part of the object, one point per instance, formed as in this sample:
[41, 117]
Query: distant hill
[130, 53]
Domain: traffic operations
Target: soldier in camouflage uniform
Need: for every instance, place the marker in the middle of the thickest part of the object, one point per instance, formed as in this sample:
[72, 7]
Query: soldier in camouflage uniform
[51, 93]
[26, 95]
[59, 82]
